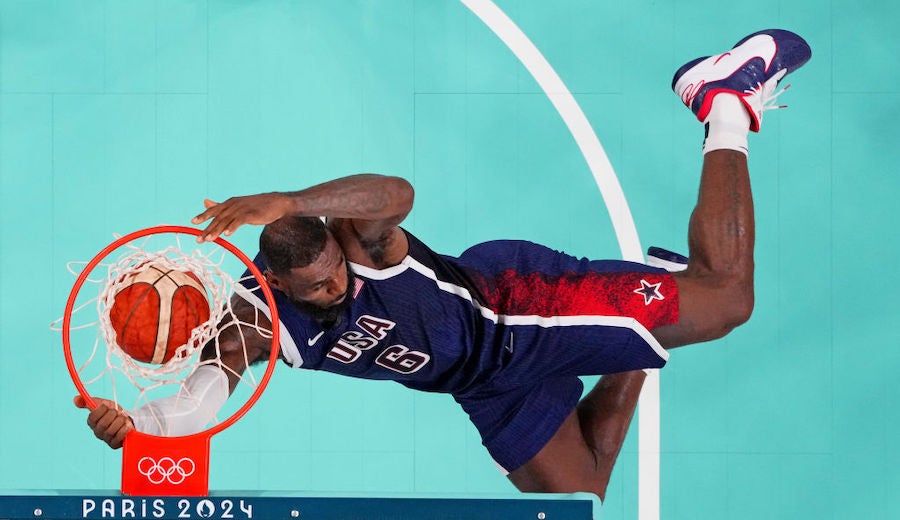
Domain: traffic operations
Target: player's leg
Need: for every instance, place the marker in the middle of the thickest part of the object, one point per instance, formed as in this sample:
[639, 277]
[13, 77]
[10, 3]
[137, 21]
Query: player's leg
[728, 92]
[582, 453]
[592, 436]
[716, 290]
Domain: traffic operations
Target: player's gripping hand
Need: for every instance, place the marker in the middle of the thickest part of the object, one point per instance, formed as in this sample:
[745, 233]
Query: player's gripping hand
[227, 216]
[108, 421]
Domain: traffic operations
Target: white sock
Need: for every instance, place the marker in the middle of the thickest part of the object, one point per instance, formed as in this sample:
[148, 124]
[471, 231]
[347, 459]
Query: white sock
[727, 125]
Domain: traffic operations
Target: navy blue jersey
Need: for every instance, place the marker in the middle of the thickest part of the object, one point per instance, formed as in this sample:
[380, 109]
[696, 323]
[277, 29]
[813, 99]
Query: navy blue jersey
[417, 323]
[443, 324]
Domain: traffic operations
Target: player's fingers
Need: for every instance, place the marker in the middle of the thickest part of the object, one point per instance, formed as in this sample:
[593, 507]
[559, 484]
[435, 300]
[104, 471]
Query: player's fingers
[119, 438]
[97, 402]
[223, 215]
[226, 223]
[96, 414]
[105, 419]
[209, 213]
[215, 228]
[80, 401]
[116, 431]
[108, 433]
[210, 233]
[231, 225]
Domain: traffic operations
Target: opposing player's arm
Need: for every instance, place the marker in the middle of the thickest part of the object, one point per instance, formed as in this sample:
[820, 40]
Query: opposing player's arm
[375, 203]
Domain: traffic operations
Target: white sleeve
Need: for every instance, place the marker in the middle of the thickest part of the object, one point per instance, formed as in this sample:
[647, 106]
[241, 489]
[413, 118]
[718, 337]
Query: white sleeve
[188, 411]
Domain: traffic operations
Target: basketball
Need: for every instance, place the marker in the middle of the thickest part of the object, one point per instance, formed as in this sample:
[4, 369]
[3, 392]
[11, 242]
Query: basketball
[155, 312]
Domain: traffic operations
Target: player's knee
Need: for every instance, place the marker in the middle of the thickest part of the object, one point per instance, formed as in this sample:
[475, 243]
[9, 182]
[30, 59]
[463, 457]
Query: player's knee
[589, 475]
[737, 305]
[718, 303]
[596, 479]
[743, 301]
[744, 308]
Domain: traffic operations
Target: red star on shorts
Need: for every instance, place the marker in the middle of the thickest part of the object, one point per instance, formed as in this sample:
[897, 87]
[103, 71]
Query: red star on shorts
[650, 291]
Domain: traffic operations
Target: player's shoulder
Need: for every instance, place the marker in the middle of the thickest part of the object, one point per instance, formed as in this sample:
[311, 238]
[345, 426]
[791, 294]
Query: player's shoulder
[369, 245]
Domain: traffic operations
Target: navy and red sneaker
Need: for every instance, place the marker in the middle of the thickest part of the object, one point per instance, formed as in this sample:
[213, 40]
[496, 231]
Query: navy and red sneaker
[751, 69]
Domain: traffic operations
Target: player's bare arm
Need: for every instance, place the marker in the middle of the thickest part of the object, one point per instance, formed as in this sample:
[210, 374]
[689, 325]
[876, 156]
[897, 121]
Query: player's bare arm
[241, 346]
[379, 203]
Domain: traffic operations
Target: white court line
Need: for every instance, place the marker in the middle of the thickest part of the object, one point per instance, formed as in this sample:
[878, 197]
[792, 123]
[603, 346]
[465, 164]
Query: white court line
[619, 213]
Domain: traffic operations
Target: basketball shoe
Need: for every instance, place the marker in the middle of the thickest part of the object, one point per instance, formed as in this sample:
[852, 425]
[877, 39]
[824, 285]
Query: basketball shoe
[752, 70]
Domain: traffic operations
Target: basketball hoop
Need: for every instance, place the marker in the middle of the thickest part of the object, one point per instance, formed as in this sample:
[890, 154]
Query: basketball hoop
[156, 465]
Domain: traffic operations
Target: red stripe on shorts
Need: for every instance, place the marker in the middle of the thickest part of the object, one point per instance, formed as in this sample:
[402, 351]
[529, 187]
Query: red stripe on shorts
[650, 298]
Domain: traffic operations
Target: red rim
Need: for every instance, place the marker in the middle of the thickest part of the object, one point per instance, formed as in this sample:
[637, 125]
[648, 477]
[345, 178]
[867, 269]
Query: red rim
[270, 301]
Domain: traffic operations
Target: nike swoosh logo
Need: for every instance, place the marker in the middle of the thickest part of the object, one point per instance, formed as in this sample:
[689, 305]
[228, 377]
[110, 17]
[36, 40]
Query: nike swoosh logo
[509, 346]
[720, 67]
[760, 46]
[314, 339]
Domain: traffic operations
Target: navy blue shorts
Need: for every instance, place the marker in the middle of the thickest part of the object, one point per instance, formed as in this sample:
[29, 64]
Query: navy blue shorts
[587, 318]
[517, 417]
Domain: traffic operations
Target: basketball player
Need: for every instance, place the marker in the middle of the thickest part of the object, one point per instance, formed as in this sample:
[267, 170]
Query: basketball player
[507, 327]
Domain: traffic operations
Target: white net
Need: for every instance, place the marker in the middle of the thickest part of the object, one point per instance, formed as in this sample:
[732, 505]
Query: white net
[108, 371]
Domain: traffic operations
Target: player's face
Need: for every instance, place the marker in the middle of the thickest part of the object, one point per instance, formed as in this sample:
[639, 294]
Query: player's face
[322, 283]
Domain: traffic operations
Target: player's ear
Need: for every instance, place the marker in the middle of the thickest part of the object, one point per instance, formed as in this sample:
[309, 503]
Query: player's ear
[272, 279]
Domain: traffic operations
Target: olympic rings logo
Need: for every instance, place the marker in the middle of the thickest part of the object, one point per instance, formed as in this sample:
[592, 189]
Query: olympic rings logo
[166, 469]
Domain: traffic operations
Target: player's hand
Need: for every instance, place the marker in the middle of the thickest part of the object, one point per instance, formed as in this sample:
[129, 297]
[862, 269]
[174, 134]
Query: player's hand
[108, 421]
[251, 209]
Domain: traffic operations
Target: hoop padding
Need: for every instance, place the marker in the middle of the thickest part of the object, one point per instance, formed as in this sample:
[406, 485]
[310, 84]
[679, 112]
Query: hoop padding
[148, 378]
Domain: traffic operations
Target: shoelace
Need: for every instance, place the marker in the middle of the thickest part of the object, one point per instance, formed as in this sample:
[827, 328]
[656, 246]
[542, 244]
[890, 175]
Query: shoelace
[765, 96]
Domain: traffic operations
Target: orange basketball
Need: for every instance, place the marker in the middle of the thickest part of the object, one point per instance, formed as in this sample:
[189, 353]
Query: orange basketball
[155, 312]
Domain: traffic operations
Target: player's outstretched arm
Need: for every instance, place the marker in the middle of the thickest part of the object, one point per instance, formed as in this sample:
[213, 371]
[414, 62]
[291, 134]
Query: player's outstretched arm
[240, 345]
[202, 394]
[380, 202]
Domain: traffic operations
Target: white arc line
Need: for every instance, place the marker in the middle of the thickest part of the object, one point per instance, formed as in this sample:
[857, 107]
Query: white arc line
[626, 233]
[574, 118]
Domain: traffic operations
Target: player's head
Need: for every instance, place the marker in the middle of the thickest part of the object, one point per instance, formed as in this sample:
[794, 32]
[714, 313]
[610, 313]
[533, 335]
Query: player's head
[306, 263]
